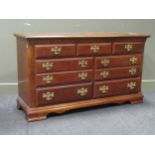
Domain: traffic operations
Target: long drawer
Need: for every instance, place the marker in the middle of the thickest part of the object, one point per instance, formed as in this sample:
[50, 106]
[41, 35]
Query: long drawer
[61, 94]
[90, 49]
[118, 61]
[66, 64]
[118, 72]
[54, 50]
[128, 47]
[59, 78]
[116, 87]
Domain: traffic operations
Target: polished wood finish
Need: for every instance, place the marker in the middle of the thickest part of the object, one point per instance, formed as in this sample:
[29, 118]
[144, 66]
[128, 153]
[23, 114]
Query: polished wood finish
[116, 87]
[58, 78]
[94, 49]
[64, 93]
[54, 51]
[118, 61]
[128, 47]
[82, 35]
[117, 73]
[66, 64]
[61, 72]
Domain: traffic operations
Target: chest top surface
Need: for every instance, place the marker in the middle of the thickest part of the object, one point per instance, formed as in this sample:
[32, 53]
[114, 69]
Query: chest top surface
[79, 35]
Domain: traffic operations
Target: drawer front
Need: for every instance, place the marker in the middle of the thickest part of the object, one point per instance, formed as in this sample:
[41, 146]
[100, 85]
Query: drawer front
[54, 50]
[128, 48]
[68, 64]
[116, 87]
[118, 61]
[115, 73]
[64, 78]
[94, 49]
[61, 94]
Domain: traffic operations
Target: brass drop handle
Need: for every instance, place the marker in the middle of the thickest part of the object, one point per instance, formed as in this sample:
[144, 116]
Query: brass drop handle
[129, 47]
[133, 60]
[104, 74]
[131, 85]
[83, 63]
[132, 71]
[82, 91]
[95, 48]
[105, 62]
[104, 89]
[48, 96]
[47, 65]
[56, 50]
[83, 75]
[47, 79]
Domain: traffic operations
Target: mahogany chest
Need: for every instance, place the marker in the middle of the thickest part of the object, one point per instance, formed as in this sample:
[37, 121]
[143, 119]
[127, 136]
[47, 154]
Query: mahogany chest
[61, 72]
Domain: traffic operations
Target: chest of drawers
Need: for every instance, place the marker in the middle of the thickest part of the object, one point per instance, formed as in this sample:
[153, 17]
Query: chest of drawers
[61, 72]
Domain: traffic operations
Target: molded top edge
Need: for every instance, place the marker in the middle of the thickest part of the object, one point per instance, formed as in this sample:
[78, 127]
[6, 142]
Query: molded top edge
[78, 35]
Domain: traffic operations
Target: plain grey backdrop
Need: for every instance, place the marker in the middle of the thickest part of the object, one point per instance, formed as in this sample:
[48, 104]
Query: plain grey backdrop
[8, 62]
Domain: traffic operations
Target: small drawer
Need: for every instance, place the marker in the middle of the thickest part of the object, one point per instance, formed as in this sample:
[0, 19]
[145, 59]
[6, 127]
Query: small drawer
[128, 47]
[61, 94]
[116, 87]
[115, 73]
[118, 61]
[54, 50]
[94, 49]
[68, 64]
[64, 78]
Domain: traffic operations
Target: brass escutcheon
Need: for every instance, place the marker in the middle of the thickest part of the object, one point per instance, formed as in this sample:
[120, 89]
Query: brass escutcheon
[129, 47]
[48, 96]
[47, 79]
[104, 89]
[83, 75]
[131, 85]
[132, 71]
[95, 48]
[47, 65]
[82, 91]
[83, 63]
[56, 50]
[104, 74]
[133, 60]
[105, 62]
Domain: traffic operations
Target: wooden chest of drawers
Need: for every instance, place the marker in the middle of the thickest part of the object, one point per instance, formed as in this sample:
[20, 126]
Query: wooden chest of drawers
[61, 72]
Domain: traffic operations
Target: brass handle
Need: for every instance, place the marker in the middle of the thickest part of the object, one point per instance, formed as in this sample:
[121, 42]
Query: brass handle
[129, 47]
[47, 65]
[95, 48]
[56, 50]
[131, 85]
[48, 96]
[132, 71]
[104, 89]
[47, 79]
[133, 60]
[83, 63]
[105, 62]
[83, 75]
[82, 91]
[104, 74]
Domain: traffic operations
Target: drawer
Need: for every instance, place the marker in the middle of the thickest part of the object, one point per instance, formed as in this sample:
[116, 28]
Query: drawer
[64, 78]
[116, 87]
[68, 64]
[128, 48]
[114, 73]
[54, 50]
[118, 61]
[94, 49]
[61, 94]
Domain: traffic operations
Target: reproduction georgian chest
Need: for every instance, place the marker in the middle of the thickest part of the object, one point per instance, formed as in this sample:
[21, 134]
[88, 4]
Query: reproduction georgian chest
[61, 72]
